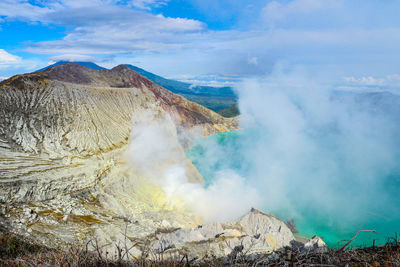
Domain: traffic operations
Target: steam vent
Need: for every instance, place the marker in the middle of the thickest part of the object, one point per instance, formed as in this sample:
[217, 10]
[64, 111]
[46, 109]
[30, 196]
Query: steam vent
[66, 175]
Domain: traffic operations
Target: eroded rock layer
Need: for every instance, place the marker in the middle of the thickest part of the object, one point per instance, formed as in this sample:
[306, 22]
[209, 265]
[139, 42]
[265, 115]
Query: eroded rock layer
[63, 127]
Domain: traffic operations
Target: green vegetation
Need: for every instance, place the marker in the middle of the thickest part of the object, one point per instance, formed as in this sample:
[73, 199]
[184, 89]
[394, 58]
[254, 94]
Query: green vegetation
[214, 98]
[214, 103]
[232, 111]
[12, 247]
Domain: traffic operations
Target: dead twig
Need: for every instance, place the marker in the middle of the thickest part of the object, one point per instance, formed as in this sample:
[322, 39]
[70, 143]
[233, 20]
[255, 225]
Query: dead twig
[354, 237]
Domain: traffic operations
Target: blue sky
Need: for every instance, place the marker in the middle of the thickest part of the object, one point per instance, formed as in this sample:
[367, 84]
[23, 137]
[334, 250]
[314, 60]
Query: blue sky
[349, 42]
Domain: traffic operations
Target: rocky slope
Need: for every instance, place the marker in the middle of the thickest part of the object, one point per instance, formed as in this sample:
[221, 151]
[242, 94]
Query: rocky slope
[69, 174]
[67, 117]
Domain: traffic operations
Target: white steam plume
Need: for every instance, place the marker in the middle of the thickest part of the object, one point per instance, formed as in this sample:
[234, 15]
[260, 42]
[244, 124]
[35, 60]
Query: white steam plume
[316, 148]
[156, 154]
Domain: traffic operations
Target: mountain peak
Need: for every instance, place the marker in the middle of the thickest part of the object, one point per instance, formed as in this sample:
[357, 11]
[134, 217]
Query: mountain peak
[70, 72]
[122, 67]
[88, 64]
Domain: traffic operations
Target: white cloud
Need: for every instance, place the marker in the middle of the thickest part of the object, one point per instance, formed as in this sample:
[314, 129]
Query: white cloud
[369, 80]
[59, 4]
[394, 77]
[358, 88]
[147, 4]
[22, 10]
[214, 80]
[125, 31]
[7, 59]
[275, 11]
[389, 83]
[84, 11]
[195, 83]
[72, 57]
[3, 78]
[253, 61]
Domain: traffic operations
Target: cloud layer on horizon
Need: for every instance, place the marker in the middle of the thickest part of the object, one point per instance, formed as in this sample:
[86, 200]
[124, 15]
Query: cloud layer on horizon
[332, 39]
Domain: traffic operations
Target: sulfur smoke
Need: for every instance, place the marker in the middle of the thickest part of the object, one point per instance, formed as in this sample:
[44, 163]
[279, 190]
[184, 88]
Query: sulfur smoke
[156, 155]
[305, 151]
[326, 157]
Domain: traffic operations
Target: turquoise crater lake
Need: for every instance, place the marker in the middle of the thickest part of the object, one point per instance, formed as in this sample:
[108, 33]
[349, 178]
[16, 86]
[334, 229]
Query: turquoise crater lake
[353, 204]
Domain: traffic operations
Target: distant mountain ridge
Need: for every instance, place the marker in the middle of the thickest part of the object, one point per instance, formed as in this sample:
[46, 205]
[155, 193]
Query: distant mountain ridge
[182, 87]
[215, 98]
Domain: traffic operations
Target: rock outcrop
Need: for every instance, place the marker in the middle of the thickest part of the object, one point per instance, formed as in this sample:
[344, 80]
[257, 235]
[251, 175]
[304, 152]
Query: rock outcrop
[254, 233]
[315, 244]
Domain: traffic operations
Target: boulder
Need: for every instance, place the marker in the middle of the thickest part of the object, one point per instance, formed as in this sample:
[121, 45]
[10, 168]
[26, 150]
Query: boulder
[255, 233]
[316, 244]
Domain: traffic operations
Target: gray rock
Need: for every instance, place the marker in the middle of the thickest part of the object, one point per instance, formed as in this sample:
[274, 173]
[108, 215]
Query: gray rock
[254, 233]
[316, 244]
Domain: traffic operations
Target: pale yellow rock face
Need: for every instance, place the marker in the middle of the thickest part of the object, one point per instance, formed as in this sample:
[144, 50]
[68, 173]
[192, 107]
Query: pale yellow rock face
[56, 133]
[65, 173]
